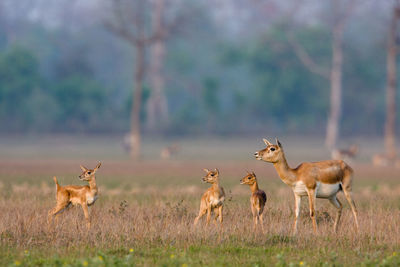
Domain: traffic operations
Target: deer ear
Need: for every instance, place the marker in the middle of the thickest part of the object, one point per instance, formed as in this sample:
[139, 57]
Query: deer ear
[217, 171]
[83, 168]
[206, 170]
[253, 174]
[278, 143]
[97, 166]
[267, 142]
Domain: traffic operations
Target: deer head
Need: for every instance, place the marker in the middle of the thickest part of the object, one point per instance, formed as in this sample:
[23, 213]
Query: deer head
[272, 153]
[354, 149]
[249, 179]
[87, 174]
[211, 176]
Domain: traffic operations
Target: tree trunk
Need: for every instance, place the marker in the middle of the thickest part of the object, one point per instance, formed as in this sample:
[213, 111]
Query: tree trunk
[157, 107]
[137, 102]
[390, 124]
[332, 130]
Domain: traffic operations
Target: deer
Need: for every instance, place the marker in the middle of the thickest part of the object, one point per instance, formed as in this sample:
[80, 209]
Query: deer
[323, 179]
[343, 154]
[168, 151]
[384, 160]
[76, 195]
[257, 200]
[213, 199]
[381, 160]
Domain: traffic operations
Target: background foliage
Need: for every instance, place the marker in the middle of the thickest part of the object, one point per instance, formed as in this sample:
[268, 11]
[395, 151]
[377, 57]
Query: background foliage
[77, 76]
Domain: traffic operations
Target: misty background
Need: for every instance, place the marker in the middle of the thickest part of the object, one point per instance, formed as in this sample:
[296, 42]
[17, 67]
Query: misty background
[223, 68]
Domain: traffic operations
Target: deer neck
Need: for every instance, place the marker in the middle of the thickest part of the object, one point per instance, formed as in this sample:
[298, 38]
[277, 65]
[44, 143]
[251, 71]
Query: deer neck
[286, 173]
[254, 187]
[215, 186]
[93, 186]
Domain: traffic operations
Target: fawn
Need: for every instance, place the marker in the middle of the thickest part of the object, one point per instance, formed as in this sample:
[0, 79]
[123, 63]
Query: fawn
[257, 199]
[212, 199]
[75, 194]
[323, 179]
[343, 154]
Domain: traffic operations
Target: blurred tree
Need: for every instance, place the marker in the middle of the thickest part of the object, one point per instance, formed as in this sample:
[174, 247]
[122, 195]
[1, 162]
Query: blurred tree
[130, 23]
[286, 92]
[211, 100]
[157, 106]
[261, 80]
[391, 86]
[19, 77]
[81, 103]
[341, 10]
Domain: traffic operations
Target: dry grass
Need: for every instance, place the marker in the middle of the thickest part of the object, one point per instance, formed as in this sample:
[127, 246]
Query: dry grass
[150, 207]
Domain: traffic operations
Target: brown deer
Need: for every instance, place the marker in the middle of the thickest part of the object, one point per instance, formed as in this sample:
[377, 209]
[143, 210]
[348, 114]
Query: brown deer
[257, 199]
[383, 160]
[323, 179]
[169, 151]
[75, 194]
[212, 199]
[344, 154]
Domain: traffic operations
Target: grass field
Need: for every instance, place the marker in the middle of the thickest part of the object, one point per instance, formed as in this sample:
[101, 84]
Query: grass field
[146, 209]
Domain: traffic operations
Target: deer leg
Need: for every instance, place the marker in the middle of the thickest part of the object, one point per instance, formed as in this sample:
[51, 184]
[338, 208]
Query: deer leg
[297, 203]
[352, 205]
[86, 213]
[335, 202]
[56, 210]
[253, 211]
[216, 211]
[311, 199]
[201, 213]
[346, 186]
[208, 214]
[221, 218]
[261, 222]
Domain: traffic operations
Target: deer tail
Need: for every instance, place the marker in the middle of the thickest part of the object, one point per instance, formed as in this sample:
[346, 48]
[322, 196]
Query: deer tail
[55, 180]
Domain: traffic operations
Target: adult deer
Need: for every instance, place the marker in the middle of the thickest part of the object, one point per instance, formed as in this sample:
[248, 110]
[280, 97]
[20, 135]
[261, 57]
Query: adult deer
[323, 179]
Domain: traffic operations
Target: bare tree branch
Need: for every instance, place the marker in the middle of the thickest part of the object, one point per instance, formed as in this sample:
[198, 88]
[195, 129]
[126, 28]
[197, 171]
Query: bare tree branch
[305, 58]
[120, 31]
[299, 50]
[120, 28]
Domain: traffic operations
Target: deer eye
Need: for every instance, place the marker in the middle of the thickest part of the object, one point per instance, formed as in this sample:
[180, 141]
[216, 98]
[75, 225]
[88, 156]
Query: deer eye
[89, 173]
[272, 149]
[212, 174]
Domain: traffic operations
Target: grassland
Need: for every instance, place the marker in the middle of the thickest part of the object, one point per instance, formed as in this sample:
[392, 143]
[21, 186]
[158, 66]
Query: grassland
[145, 211]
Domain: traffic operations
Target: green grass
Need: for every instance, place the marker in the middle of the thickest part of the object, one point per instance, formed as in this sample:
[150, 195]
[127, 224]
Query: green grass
[220, 255]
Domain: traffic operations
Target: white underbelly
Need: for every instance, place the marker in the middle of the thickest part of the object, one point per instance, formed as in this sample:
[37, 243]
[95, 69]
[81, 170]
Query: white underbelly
[327, 190]
[216, 202]
[323, 190]
[91, 199]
